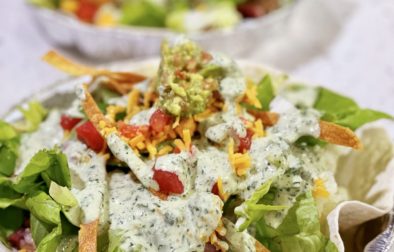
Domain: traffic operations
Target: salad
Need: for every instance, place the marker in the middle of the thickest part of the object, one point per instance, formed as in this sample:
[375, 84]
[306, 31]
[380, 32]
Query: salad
[197, 157]
[181, 16]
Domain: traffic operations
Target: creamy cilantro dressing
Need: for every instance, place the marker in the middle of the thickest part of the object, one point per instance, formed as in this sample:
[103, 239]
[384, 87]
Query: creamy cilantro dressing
[123, 152]
[296, 123]
[233, 126]
[142, 117]
[145, 222]
[75, 110]
[239, 241]
[48, 135]
[89, 184]
[212, 164]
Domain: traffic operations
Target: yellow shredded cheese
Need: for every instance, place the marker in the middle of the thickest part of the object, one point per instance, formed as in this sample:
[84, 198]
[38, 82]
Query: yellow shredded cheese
[187, 139]
[258, 128]
[152, 150]
[222, 194]
[251, 94]
[113, 110]
[178, 143]
[240, 162]
[137, 139]
[165, 150]
[319, 189]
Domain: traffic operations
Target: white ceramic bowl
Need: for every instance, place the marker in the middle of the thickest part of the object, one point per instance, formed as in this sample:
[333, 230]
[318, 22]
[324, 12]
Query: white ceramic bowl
[113, 43]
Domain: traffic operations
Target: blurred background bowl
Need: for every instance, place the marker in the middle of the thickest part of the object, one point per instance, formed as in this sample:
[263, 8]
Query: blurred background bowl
[121, 42]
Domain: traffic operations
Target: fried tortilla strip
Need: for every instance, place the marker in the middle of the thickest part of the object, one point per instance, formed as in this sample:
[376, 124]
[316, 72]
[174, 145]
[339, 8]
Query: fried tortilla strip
[329, 132]
[87, 237]
[336, 134]
[121, 82]
[260, 247]
[267, 118]
[61, 63]
[94, 113]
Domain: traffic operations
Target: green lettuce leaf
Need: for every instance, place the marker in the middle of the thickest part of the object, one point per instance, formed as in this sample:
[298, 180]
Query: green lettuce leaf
[34, 115]
[265, 92]
[51, 165]
[345, 111]
[44, 208]
[49, 227]
[299, 231]
[252, 210]
[9, 145]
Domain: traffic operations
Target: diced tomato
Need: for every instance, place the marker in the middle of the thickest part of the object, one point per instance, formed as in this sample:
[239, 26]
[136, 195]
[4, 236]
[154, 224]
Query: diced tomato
[131, 131]
[168, 182]
[250, 10]
[88, 134]
[68, 123]
[86, 10]
[177, 150]
[245, 142]
[159, 120]
[215, 189]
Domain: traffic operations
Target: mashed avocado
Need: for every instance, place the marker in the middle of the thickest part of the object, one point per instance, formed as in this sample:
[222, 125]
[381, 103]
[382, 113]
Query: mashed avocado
[185, 79]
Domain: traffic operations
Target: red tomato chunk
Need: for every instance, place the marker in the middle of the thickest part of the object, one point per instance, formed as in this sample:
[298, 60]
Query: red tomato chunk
[68, 123]
[88, 134]
[159, 120]
[245, 142]
[168, 182]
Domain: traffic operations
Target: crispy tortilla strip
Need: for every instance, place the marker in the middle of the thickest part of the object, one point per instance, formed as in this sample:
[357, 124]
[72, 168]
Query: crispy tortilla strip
[121, 82]
[94, 113]
[336, 134]
[87, 237]
[260, 247]
[329, 132]
[61, 63]
[267, 118]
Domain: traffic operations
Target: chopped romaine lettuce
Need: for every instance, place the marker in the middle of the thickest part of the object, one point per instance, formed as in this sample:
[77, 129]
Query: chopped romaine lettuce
[9, 144]
[265, 92]
[299, 231]
[251, 210]
[34, 115]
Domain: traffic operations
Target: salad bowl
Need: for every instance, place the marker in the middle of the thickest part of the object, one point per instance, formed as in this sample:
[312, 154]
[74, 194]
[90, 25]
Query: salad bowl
[360, 221]
[115, 43]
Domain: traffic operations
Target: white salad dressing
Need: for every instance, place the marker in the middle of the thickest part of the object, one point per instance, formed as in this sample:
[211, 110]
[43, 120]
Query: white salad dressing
[239, 241]
[123, 152]
[89, 182]
[48, 135]
[75, 110]
[212, 164]
[142, 117]
[145, 222]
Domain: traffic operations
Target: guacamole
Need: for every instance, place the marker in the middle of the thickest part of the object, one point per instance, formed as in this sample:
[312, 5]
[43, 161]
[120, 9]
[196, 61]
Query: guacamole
[186, 78]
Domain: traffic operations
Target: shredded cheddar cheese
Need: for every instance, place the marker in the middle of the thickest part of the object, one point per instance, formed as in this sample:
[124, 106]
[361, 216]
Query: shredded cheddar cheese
[319, 189]
[222, 194]
[165, 150]
[240, 162]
